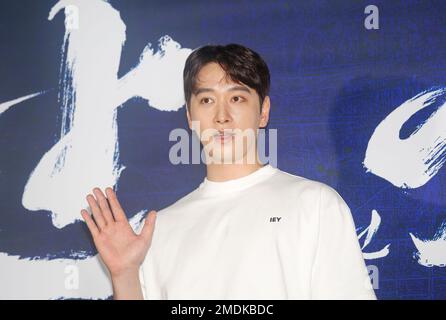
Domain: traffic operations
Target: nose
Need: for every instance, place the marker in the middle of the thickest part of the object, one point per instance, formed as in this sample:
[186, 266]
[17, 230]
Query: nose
[222, 115]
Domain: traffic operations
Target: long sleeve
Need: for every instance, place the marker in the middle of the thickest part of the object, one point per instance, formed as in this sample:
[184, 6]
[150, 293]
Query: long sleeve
[339, 270]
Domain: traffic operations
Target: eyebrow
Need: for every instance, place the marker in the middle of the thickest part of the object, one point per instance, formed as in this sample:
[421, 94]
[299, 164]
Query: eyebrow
[233, 88]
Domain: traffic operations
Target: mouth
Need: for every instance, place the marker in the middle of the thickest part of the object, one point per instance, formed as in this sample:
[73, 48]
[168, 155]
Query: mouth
[223, 136]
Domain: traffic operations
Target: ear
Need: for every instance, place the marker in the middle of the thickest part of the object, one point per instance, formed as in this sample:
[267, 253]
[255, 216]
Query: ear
[264, 115]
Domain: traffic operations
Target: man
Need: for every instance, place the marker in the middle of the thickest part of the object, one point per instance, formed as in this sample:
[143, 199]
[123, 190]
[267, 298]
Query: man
[249, 231]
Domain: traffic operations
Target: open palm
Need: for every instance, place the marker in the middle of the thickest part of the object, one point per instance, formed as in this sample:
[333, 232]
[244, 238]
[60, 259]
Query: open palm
[121, 249]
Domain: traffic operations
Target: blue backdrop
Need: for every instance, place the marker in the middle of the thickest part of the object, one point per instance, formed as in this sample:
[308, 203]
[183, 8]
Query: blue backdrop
[333, 82]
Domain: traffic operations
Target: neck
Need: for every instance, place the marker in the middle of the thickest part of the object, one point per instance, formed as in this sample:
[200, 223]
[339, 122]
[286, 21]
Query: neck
[223, 172]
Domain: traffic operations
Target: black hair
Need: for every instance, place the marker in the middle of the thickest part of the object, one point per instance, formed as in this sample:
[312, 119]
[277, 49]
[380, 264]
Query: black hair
[240, 63]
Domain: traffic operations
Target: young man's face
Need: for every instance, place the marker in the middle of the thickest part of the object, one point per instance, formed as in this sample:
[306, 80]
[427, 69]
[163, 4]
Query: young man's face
[219, 104]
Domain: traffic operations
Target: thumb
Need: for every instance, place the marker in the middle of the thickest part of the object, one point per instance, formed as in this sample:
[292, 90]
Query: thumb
[149, 225]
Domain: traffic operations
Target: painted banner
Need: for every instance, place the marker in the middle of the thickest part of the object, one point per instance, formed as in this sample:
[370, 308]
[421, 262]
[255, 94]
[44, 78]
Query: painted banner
[90, 91]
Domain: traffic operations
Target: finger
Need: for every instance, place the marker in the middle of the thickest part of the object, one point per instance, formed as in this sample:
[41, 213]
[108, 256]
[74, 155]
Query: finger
[149, 225]
[90, 223]
[103, 204]
[97, 214]
[116, 208]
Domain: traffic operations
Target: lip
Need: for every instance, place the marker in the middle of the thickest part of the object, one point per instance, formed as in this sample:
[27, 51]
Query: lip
[223, 137]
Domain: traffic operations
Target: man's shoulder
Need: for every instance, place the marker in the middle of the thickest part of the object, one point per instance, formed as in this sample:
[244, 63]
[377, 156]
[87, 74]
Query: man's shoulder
[312, 196]
[298, 183]
[304, 187]
[317, 193]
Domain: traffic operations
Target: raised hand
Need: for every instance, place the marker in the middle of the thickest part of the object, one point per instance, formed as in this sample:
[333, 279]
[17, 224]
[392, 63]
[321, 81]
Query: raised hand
[121, 249]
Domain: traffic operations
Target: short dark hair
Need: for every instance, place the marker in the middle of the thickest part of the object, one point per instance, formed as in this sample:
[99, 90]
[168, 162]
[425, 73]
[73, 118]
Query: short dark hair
[240, 63]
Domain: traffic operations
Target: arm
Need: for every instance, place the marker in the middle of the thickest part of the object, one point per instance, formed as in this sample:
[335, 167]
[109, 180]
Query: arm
[127, 287]
[121, 249]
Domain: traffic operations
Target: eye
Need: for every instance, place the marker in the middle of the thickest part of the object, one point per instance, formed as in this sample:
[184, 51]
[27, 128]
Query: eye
[238, 98]
[206, 100]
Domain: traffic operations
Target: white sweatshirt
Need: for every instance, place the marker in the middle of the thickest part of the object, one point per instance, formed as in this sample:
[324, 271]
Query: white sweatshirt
[267, 235]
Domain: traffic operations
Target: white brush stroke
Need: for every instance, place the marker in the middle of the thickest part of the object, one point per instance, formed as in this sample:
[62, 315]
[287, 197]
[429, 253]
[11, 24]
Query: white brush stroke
[87, 155]
[411, 162]
[43, 279]
[8, 104]
[371, 231]
[431, 252]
